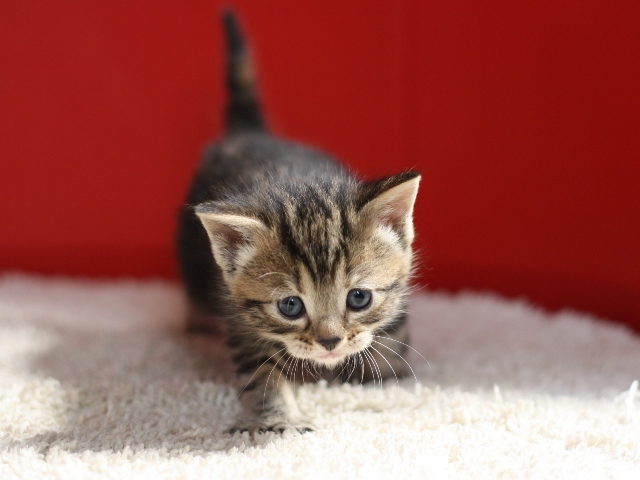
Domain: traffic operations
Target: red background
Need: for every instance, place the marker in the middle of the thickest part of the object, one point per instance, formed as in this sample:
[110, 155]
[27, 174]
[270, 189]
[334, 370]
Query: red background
[524, 118]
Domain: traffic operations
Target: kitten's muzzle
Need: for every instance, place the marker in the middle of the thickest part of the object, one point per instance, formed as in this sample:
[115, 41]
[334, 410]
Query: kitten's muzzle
[329, 343]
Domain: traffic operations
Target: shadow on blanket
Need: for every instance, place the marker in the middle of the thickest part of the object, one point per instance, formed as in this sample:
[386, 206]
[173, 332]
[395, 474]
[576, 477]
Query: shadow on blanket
[167, 391]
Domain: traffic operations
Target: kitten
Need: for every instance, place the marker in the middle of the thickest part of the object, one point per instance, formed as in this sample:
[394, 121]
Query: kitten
[306, 266]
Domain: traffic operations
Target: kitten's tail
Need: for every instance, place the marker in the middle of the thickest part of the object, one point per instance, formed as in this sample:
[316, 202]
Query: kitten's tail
[243, 111]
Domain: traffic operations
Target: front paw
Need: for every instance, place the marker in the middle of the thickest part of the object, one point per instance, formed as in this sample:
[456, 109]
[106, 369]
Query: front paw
[275, 425]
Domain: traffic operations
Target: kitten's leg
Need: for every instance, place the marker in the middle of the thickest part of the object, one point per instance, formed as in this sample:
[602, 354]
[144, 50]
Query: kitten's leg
[269, 402]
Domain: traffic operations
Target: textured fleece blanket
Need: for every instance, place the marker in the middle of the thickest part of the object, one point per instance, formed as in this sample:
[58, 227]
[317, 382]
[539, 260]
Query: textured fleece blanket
[98, 380]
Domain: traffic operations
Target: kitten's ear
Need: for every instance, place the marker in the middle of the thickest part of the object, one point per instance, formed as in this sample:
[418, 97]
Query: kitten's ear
[389, 203]
[232, 237]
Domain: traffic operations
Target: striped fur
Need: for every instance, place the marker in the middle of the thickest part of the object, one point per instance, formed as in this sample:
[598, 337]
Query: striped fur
[268, 219]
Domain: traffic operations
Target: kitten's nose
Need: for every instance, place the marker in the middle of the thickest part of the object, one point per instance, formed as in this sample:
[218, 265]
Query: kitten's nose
[329, 343]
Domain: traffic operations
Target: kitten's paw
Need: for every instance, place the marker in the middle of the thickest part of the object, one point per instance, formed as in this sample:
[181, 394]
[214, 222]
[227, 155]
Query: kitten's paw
[275, 425]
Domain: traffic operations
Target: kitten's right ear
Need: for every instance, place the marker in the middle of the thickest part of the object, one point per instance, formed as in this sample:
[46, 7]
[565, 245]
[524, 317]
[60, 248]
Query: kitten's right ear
[233, 237]
[389, 203]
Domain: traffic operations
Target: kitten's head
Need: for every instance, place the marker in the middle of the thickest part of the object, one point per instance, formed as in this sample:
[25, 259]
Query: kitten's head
[317, 267]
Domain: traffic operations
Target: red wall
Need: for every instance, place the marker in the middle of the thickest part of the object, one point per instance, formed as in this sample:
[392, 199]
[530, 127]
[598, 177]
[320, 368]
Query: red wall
[523, 116]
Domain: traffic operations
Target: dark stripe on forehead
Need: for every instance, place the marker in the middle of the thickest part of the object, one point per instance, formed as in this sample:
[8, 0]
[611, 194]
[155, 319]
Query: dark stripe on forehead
[299, 252]
[307, 236]
[345, 228]
[288, 241]
[335, 263]
[312, 203]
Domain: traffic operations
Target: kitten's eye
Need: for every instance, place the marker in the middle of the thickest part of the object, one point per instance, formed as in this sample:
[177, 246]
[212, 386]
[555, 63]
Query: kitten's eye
[358, 299]
[291, 307]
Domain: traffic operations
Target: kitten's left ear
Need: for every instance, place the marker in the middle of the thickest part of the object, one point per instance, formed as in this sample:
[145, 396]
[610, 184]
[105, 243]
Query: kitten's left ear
[390, 203]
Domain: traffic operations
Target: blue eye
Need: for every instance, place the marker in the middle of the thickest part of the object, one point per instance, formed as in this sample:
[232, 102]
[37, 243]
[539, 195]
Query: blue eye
[358, 299]
[291, 307]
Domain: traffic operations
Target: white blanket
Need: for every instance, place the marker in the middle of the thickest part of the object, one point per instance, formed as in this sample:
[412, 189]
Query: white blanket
[98, 380]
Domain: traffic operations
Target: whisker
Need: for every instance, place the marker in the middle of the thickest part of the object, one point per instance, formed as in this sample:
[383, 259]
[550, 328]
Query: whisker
[351, 360]
[364, 356]
[347, 365]
[402, 343]
[401, 357]
[293, 359]
[308, 367]
[317, 373]
[295, 369]
[367, 357]
[266, 384]
[344, 365]
[257, 369]
[361, 367]
[385, 359]
[282, 370]
[375, 365]
[375, 362]
[265, 344]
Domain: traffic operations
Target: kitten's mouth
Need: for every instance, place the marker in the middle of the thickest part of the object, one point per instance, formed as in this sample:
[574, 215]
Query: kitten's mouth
[331, 355]
[331, 359]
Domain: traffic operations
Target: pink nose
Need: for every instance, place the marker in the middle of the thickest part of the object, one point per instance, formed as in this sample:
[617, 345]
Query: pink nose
[329, 343]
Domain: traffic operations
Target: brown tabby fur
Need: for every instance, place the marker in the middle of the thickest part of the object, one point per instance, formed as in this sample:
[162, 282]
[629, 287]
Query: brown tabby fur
[270, 220]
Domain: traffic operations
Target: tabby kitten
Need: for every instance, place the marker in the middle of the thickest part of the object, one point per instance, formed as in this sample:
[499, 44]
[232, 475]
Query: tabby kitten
[303, 265]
